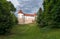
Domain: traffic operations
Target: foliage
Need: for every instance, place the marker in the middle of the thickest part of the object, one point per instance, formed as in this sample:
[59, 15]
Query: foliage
[39, 17]
[31, 31]
[7, 18]
[51, 15]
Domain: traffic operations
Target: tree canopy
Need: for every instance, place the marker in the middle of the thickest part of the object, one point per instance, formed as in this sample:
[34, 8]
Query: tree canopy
[7, 18]
[50, 17]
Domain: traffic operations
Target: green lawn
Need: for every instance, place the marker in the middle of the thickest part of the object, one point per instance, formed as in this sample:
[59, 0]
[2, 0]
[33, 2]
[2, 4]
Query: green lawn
[31, 31]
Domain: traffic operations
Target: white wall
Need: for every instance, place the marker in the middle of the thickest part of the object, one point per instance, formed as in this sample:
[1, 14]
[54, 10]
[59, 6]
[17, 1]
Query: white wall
[20, 18]
[29, 19]
[20, 15]
[25, 19]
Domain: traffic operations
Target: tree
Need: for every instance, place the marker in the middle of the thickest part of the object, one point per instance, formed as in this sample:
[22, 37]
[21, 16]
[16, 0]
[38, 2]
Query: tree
[39, 14]
[51, 15]
[7, 18]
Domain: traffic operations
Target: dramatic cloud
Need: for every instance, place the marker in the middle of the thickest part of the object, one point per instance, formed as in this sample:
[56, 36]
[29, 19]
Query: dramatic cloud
[28, 6]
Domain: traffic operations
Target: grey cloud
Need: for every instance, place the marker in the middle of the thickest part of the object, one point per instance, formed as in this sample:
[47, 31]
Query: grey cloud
[31, 5]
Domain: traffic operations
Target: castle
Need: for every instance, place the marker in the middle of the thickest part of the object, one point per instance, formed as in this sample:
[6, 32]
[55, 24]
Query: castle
[25, 18]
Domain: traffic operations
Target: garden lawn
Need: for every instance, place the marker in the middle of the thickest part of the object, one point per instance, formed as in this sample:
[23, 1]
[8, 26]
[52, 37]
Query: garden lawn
[31, 31]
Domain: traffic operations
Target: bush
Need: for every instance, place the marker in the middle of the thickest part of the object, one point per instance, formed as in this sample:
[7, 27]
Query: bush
[7, 19]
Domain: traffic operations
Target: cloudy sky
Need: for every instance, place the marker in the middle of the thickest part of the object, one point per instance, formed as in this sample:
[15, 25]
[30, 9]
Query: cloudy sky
[28, 6]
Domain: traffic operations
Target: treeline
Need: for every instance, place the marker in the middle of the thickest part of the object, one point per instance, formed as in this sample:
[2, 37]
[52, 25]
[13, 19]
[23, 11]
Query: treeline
[50, 17]
[7, 18]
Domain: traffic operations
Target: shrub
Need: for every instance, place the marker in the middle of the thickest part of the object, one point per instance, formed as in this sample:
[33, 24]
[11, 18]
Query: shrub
[7, 19]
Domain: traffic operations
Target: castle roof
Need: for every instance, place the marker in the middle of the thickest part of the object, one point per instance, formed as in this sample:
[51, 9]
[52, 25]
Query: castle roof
[30, 14]
[21, 12]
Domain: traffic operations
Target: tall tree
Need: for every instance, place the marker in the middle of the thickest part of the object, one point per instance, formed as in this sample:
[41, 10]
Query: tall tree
[39, 17]
[7, 18]
[51, 15]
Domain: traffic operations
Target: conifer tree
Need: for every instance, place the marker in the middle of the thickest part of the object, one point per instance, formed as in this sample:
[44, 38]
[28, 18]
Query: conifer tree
[51, 14]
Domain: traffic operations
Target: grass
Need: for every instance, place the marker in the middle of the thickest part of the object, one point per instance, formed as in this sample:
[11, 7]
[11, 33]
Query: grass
[31, 31]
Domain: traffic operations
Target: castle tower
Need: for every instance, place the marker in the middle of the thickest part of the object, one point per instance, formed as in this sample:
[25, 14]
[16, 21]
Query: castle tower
[20, 17]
